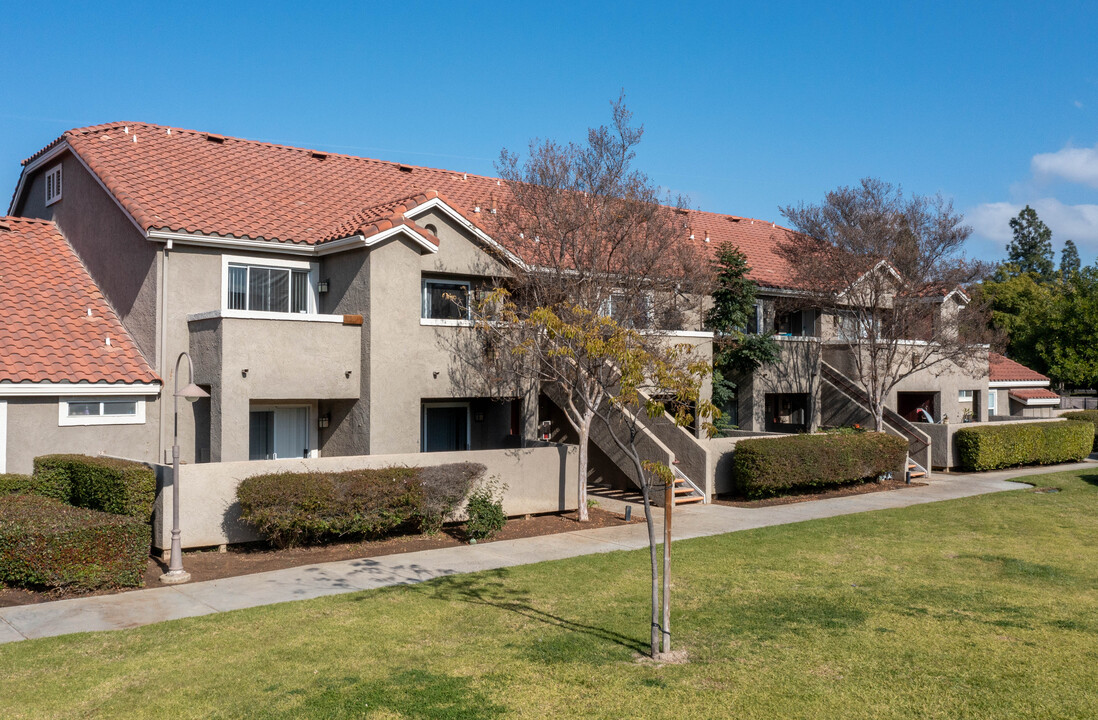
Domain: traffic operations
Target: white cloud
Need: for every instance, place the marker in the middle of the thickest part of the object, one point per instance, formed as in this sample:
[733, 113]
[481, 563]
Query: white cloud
[1077, 165]
[1077, 222]
[1078, 104]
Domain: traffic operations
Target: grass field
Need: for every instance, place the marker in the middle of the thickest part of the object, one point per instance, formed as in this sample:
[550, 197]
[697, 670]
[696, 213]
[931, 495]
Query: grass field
[978, 608]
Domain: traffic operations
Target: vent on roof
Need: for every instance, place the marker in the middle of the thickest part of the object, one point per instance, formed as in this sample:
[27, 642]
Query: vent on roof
[215, 138]
[319, 156]
[405, 168]
[4, 225]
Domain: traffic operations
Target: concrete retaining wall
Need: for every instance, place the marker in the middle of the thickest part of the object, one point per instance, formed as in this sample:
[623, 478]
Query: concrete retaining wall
[539, 479]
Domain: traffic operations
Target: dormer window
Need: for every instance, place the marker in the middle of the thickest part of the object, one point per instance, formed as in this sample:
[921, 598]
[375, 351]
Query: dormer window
[53, 185]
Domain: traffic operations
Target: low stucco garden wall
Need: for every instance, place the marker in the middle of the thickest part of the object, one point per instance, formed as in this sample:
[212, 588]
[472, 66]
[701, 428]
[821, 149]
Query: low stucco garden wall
[538, 480]
[943, 453]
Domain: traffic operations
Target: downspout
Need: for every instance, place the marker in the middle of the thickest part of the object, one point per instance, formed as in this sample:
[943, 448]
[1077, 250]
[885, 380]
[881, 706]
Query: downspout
[163, 353]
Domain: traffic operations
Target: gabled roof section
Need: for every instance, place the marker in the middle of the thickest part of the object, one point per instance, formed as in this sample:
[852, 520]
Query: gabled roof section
[186, 181]
[56, 321]
[1002, 369]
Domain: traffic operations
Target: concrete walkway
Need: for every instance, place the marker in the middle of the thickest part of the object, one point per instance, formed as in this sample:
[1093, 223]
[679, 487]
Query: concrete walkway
[143, 607]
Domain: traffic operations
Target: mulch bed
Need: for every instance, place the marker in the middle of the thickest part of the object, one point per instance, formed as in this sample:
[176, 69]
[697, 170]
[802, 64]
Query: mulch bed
[259, 557]
[857, 489]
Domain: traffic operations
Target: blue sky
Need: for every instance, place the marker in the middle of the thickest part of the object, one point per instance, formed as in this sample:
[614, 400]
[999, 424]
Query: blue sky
[746, 107]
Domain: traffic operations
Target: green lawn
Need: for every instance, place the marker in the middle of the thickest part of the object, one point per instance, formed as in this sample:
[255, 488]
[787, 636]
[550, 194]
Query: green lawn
[977, 608]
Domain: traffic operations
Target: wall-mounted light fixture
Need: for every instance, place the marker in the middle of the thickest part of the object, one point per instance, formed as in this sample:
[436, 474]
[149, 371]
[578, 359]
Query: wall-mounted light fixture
[322, 286]
[478, 416]
[244, 372]
[347, 374]
[324, 420]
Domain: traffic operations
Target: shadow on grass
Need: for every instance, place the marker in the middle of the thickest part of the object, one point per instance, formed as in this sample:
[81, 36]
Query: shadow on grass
[409, 693]
[1090, 478]
[491, 590]
[795, 613]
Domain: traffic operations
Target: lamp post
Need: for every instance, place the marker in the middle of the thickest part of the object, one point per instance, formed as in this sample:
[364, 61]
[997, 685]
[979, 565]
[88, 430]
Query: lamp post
[191, 393]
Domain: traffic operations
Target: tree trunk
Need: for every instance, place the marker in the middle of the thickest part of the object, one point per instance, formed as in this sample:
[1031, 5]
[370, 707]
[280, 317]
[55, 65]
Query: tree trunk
[669, 504]
[584, 441]
[878, 417]
[655, 642]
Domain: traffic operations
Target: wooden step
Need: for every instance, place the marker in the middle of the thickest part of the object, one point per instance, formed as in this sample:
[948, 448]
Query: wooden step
[683, 490]
[916, 475]
[691, 499]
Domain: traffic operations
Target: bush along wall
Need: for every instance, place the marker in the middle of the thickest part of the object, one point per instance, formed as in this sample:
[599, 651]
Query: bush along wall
[762, 467]
[294, 508]
[1009, 444]
[122, 487]
[1090, 416]
[45, 543]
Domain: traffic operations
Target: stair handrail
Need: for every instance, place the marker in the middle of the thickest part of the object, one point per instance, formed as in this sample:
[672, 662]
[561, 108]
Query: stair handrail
[682, 476]
[914, 434]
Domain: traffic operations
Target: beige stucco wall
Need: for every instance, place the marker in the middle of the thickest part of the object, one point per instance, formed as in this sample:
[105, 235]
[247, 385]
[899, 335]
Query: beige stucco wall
[33, 430]
[538, 480]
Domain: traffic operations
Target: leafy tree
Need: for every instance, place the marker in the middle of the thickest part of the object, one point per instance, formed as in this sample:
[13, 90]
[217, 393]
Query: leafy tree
[736, 352]
[1069, 259]
[596, 238]
[1018, 308]
[1065, 335]
[1031, 249]
[874, 257]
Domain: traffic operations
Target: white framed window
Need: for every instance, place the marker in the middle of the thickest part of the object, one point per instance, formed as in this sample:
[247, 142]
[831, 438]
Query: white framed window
[446, 299]
[53, 184]
[964, 396]
[114, 410]
[992, 401]
[269, 287]
[631, 310]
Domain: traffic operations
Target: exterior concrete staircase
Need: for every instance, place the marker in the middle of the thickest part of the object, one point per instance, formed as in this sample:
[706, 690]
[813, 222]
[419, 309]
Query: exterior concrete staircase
[918, 442]
[659, 440]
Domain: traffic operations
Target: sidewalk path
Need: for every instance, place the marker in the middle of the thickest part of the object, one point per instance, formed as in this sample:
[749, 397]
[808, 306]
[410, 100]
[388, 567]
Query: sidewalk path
[142, 607]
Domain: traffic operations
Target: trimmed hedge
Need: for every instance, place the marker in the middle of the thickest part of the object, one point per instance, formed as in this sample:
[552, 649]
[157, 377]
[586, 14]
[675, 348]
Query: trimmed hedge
[16, 484]
[292, 508]
[762, 467]
[45, 543]
[122, 487]
[1090, 416]
[1008, 444]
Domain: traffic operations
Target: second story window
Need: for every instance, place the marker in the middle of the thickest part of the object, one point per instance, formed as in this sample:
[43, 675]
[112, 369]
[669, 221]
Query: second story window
[445, 299]
[53, 185]
[629, 310]
[268, 289]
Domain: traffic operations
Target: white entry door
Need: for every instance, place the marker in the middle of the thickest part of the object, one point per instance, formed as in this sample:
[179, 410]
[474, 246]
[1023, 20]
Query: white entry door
[279, 432]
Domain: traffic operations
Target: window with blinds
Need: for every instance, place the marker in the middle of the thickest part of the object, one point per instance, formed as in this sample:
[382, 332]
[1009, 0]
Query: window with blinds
[268, 289]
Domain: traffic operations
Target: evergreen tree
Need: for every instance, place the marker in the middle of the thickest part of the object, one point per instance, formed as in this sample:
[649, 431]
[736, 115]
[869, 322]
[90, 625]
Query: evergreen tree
[736, 351]
[1069, 259]
[1031, 249]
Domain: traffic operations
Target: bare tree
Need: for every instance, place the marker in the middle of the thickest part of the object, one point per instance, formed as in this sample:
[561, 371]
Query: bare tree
[595, 238]
[884, 269]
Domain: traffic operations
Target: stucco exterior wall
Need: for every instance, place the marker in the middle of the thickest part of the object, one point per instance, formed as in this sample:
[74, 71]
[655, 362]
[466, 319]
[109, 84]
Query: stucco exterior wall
[33, 430]
[120, 259]
[538, 480]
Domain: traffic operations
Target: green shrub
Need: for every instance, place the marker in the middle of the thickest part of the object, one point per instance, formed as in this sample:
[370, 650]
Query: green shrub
[1090, 416]
[444, 488]
[293, 508]
[15, 484]
[762, 467]
[45, 543]
[485, 511]
[1008, 444]
[122, 487]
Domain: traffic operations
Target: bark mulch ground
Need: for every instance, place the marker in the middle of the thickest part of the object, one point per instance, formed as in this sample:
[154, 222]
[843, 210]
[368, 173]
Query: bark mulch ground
[822, 494]
[259, 557]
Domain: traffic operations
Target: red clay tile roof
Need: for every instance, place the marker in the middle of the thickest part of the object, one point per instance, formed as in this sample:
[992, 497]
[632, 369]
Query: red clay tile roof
[196, 182]
[1034, 394]
[1003, 369]
[47, 334]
